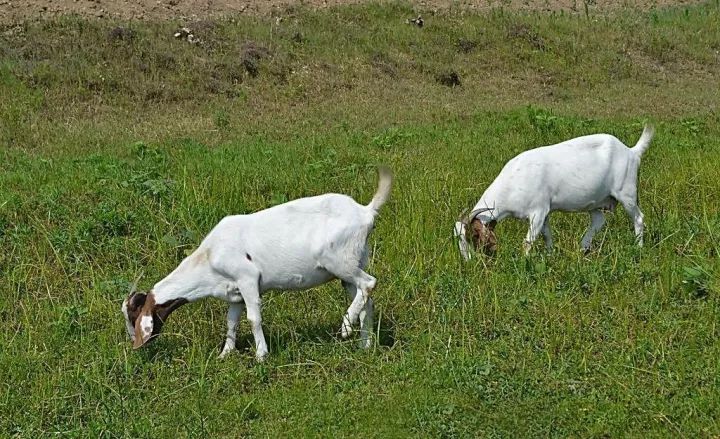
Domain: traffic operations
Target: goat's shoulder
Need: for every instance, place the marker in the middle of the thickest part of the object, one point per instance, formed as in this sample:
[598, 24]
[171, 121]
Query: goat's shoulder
[229, 222]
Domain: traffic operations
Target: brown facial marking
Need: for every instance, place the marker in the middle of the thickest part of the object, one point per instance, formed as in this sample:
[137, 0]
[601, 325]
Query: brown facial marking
[483, 236]
[158, 312]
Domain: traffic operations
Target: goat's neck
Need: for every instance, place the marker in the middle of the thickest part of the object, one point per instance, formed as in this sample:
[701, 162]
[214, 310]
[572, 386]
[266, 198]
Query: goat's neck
[490, 200]
[192, 280]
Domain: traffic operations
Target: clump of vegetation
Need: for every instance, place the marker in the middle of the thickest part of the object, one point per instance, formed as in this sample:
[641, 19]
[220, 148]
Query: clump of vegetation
[449, 79]
[252, 54]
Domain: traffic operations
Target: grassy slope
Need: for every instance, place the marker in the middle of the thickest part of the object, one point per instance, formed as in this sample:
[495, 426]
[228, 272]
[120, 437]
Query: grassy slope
[118, 155]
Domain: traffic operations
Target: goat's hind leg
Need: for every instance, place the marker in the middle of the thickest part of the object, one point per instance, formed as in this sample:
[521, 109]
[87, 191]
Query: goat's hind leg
[629, 203]
[358, 285]
[366, 317]
[363, 283]
[638, 221]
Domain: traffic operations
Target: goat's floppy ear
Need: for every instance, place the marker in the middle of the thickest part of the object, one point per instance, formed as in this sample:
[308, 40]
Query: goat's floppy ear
[145, 322]
[143, 330]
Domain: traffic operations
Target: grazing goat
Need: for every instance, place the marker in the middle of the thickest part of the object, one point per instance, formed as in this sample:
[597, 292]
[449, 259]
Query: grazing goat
[295, 245]
[586, 174]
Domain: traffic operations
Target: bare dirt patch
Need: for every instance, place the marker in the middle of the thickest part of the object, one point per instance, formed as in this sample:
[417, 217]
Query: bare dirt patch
[12, 11]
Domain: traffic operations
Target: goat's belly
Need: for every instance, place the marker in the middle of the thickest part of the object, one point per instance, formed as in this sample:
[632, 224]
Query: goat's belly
[296, 280]
[607, 203]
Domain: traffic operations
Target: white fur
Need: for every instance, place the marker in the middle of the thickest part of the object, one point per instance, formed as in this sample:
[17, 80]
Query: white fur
[296, 245]
[585, 174]
[146, 326]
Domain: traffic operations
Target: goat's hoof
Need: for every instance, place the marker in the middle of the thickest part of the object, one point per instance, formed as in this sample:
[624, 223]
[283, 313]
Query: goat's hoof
[346, 329]
[225, 353]
[365, 343]
[261, 356]
[527, 247]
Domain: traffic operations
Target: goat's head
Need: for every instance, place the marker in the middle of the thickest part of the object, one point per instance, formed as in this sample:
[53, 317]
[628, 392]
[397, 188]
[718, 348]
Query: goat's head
[482, 235]
[144, 318]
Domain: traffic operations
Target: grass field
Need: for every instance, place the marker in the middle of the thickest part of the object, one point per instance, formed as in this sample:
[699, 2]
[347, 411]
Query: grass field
[122, 146]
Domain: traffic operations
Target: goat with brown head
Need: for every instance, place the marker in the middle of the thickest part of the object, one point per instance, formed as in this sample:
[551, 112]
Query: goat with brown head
[480, 234]
[144, 318]
[586, 174]
[294, 246]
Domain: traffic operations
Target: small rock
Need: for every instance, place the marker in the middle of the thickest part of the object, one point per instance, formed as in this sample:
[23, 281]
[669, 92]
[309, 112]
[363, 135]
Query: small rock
[186, 34]
[183, 32]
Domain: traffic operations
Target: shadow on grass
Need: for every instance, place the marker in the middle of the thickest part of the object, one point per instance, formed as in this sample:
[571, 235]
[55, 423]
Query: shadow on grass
[313, 333]
[166, 348]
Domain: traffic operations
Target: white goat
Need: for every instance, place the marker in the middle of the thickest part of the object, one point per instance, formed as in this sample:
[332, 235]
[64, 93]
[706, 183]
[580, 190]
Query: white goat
[585, 174]
[295, 245]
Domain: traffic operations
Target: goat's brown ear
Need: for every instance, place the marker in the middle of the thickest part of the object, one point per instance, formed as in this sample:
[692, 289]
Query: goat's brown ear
[145, 322]
[143, 330]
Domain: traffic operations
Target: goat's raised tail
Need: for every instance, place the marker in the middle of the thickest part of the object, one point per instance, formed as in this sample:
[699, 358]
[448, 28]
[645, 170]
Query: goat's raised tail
[383, 191]
[642, 145]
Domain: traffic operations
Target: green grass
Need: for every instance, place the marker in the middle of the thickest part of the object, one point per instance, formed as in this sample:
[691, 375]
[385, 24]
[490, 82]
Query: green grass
[119, 155]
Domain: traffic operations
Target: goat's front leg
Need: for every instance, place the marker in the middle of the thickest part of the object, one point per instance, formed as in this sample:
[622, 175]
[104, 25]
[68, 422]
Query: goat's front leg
[251, 296]
[233, 318]
[537, 222]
